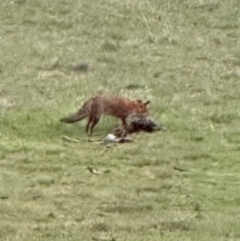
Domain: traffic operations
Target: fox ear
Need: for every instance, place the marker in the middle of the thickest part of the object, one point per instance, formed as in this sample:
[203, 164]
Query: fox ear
[147, 102]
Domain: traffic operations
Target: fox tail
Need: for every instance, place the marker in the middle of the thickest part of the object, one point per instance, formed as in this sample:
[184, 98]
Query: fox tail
[79, 115]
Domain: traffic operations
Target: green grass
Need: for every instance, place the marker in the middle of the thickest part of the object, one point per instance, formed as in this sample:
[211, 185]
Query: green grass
[182, 184]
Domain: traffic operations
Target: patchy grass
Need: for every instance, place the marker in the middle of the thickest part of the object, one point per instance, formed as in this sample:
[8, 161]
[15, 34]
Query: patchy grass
[181, 184]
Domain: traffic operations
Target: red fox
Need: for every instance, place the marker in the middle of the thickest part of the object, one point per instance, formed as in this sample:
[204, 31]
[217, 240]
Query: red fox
[96, 106]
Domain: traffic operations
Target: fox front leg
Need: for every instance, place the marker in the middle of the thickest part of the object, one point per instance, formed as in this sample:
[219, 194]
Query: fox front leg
[124, 128]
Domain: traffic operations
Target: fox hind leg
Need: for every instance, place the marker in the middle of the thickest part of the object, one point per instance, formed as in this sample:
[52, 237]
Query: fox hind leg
[93, 124]
[96, 113]
[124, 127]
[88, 124]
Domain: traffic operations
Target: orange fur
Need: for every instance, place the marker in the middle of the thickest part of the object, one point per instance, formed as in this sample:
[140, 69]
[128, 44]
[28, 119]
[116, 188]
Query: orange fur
[96, 106]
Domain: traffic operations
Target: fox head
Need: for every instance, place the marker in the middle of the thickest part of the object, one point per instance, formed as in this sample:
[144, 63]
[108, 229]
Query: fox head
[141, 106]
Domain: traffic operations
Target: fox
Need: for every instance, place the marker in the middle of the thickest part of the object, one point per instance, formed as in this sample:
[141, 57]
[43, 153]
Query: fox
[97, 106]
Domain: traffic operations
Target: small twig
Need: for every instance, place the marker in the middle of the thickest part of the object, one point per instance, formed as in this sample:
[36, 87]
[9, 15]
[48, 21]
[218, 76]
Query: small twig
[91, 140]
[180, 169]
[95, 171]
[118, 15]
[146, 22]
[103, 238]
[68, 139]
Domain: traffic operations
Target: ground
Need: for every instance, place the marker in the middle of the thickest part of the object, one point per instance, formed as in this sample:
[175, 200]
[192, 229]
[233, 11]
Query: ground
[181, 184]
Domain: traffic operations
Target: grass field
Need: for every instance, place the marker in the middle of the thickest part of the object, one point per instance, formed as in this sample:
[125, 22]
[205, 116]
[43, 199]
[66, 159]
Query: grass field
[182, 184]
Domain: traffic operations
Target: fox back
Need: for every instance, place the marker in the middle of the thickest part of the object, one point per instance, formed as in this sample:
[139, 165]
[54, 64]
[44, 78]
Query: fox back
[122, 107]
